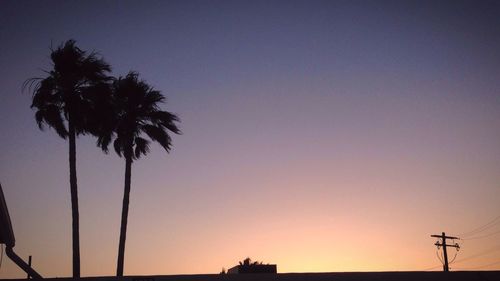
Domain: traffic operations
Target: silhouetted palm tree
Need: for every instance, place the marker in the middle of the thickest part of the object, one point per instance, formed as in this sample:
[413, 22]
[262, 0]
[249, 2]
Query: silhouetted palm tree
[65, 101]
[136, 113]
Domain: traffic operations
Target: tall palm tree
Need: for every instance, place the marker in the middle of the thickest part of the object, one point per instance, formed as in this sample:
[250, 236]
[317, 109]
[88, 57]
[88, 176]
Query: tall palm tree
[64, 100]
[136, 113]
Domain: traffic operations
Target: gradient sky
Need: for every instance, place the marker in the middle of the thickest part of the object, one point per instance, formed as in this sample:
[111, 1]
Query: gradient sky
[317, 135]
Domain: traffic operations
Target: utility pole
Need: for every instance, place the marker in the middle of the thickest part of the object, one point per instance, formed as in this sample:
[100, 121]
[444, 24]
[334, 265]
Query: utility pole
[443, 244]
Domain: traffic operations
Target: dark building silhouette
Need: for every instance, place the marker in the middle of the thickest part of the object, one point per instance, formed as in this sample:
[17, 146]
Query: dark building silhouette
[7, 237]
[247, 266]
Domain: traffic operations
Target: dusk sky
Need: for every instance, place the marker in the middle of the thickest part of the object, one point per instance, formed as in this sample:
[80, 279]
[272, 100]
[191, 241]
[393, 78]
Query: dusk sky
[317, 135]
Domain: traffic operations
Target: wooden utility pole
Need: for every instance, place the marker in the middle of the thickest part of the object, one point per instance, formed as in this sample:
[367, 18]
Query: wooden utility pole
[443, 244]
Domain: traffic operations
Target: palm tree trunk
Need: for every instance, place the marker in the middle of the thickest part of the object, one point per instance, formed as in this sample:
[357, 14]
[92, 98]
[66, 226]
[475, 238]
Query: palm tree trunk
[74, 201]
[123, 227]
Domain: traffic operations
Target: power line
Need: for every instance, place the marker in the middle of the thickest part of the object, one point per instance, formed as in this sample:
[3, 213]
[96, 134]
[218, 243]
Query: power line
[484, 236]
[482, 228]
[479, 267]
[431, 268]
[455, 256]
[439, 258]
[494, 249]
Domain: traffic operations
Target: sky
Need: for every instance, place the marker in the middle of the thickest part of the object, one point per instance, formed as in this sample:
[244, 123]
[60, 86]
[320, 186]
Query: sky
[320, 136]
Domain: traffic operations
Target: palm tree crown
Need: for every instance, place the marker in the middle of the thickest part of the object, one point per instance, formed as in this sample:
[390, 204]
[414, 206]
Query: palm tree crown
[70, 91]
[137, 112]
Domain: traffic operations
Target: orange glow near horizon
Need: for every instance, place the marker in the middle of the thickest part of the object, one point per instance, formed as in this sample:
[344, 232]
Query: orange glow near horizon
[302, 239]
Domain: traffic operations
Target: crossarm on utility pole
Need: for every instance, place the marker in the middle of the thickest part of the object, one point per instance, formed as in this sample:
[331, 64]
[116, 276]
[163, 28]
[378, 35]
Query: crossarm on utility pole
[447, 245]
[446, 237]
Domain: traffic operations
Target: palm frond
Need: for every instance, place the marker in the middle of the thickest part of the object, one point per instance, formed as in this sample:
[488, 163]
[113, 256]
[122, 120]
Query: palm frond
[103, 141]
[152, 99]
[141, 147]
[95, 68]
[31, 84]
[45, 91]
[165, 119]
[51, 115]
[159, 135]
[118, 146]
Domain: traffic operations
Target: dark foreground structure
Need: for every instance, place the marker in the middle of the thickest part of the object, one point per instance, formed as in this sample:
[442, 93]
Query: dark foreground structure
[258, 268]
[341, 276]
[249, 267]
